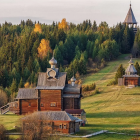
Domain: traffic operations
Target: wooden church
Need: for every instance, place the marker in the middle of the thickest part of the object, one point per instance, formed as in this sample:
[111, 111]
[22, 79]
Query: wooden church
[130, 78]
[53, 93]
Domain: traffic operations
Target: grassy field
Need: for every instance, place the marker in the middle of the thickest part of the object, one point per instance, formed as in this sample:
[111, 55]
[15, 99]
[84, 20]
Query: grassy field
[115, 109]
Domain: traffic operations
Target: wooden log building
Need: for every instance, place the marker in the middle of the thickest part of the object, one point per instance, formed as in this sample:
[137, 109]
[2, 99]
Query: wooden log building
[130, 78]
[55, 121]
[53, 93]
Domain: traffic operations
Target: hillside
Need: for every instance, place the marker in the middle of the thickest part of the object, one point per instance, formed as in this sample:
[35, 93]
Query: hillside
[115, 108]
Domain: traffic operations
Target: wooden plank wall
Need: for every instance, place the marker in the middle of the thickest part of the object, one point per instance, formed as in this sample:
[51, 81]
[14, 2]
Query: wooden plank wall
[71, 103]
[50, 96]
[26, 108]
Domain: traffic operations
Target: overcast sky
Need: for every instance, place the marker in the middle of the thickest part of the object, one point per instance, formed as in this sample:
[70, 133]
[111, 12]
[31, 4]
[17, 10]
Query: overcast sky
[46, 11]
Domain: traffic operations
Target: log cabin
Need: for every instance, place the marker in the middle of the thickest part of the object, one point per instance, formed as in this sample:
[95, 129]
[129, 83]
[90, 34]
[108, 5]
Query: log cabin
[54, 121]
[130, 78]
[53, 93]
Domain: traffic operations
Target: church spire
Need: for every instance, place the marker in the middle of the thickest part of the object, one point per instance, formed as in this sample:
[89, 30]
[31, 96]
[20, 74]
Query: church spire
[130, 18]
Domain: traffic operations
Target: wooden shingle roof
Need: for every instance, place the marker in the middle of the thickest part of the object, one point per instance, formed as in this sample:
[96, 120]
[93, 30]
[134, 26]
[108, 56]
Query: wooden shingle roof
[27, 93]
[52, 115]
[130, 18]
[69, 88]
[51, 83]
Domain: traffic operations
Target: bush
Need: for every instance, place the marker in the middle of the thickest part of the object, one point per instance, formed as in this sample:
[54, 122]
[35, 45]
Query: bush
[96, 91]
[113, 82]
[2, 132]
[3, 97]
[89, 87]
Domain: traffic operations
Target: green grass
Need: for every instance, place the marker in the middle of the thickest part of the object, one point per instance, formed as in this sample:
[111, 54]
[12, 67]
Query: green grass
[10, 120]
[115, 108]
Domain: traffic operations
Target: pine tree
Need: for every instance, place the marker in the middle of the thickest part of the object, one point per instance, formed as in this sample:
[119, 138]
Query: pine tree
[21, 85]
[13, 86]
[137, 67]
[126, 41]
[120, 73]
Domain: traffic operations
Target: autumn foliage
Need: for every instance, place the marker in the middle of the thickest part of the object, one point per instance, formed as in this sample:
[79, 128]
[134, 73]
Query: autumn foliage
[44, 48]
[37, 28]
[63, 24]
[27, 85]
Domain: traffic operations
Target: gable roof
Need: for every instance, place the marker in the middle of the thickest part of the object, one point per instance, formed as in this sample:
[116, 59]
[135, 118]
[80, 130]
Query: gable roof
[52, 83]
[27, 93]
[130, 18]
[52, 115]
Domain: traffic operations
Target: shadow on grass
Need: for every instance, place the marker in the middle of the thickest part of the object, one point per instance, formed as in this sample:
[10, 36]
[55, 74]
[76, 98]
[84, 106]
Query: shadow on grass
[123, 114]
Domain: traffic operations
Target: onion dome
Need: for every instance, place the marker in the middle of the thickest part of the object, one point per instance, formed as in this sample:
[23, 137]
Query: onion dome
[53, 61]
[73, 79]
[131, 61]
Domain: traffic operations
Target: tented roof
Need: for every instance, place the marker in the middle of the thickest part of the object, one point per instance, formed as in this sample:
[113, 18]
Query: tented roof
[130, 18]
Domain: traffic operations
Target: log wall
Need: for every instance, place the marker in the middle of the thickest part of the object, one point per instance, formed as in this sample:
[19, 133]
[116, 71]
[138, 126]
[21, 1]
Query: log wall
[50, 100]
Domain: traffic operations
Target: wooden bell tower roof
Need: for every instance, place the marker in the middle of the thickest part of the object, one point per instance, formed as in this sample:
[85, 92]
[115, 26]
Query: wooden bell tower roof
[130, 18]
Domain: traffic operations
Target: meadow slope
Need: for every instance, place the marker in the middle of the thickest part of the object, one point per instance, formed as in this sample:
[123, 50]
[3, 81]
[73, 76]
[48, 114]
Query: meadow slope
[115, 108]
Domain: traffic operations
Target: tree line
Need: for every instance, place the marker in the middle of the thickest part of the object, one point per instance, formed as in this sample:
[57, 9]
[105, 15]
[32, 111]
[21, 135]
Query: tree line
[26, 48]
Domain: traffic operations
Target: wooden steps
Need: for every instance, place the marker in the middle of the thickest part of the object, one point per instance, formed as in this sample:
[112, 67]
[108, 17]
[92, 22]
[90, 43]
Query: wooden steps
[4, 109]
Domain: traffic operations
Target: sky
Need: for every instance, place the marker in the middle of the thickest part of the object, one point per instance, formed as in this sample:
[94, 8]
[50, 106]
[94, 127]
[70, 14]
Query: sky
[76, 11]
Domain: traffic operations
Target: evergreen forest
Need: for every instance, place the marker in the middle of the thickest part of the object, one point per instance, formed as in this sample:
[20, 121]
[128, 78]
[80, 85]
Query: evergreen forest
[26, 48]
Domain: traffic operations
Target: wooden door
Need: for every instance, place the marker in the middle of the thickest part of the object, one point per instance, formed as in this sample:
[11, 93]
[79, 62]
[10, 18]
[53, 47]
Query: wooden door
[68, 103]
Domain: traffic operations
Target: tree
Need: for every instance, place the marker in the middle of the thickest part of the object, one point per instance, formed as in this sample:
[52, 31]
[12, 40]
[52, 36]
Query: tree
[26, 73]
[13, 86]
[44, 48]
[135, 50]
[37, 28]
[21, 85]
[120, 73]
[63, 24]
[58, 56]
[126, 48]
[3, 97]
[137, 67]
[94, 27]
[82, 65]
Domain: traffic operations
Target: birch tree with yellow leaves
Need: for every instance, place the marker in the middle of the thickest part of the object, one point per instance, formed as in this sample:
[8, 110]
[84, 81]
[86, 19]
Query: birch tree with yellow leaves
[44, 48]
[63, 24]
[37, 28]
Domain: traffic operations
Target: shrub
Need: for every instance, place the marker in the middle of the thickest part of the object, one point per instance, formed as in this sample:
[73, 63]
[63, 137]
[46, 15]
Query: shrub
[96, 91]
[2, 132]
[3, 97]
[113, 82]
[88, 87]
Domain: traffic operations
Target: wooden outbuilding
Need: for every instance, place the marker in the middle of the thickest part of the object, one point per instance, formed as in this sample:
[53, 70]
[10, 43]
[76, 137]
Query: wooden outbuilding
[79, 113]
[55, 121]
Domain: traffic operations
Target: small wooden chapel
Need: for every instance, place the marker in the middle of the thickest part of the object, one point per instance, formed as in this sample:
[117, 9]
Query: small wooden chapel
[130, 78]
[53, 93]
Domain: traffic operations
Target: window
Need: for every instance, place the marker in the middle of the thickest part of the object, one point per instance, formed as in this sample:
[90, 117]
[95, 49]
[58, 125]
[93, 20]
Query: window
[29, 105]
[60, 126]
[42, 105]
[53, 104]
[65, 126]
